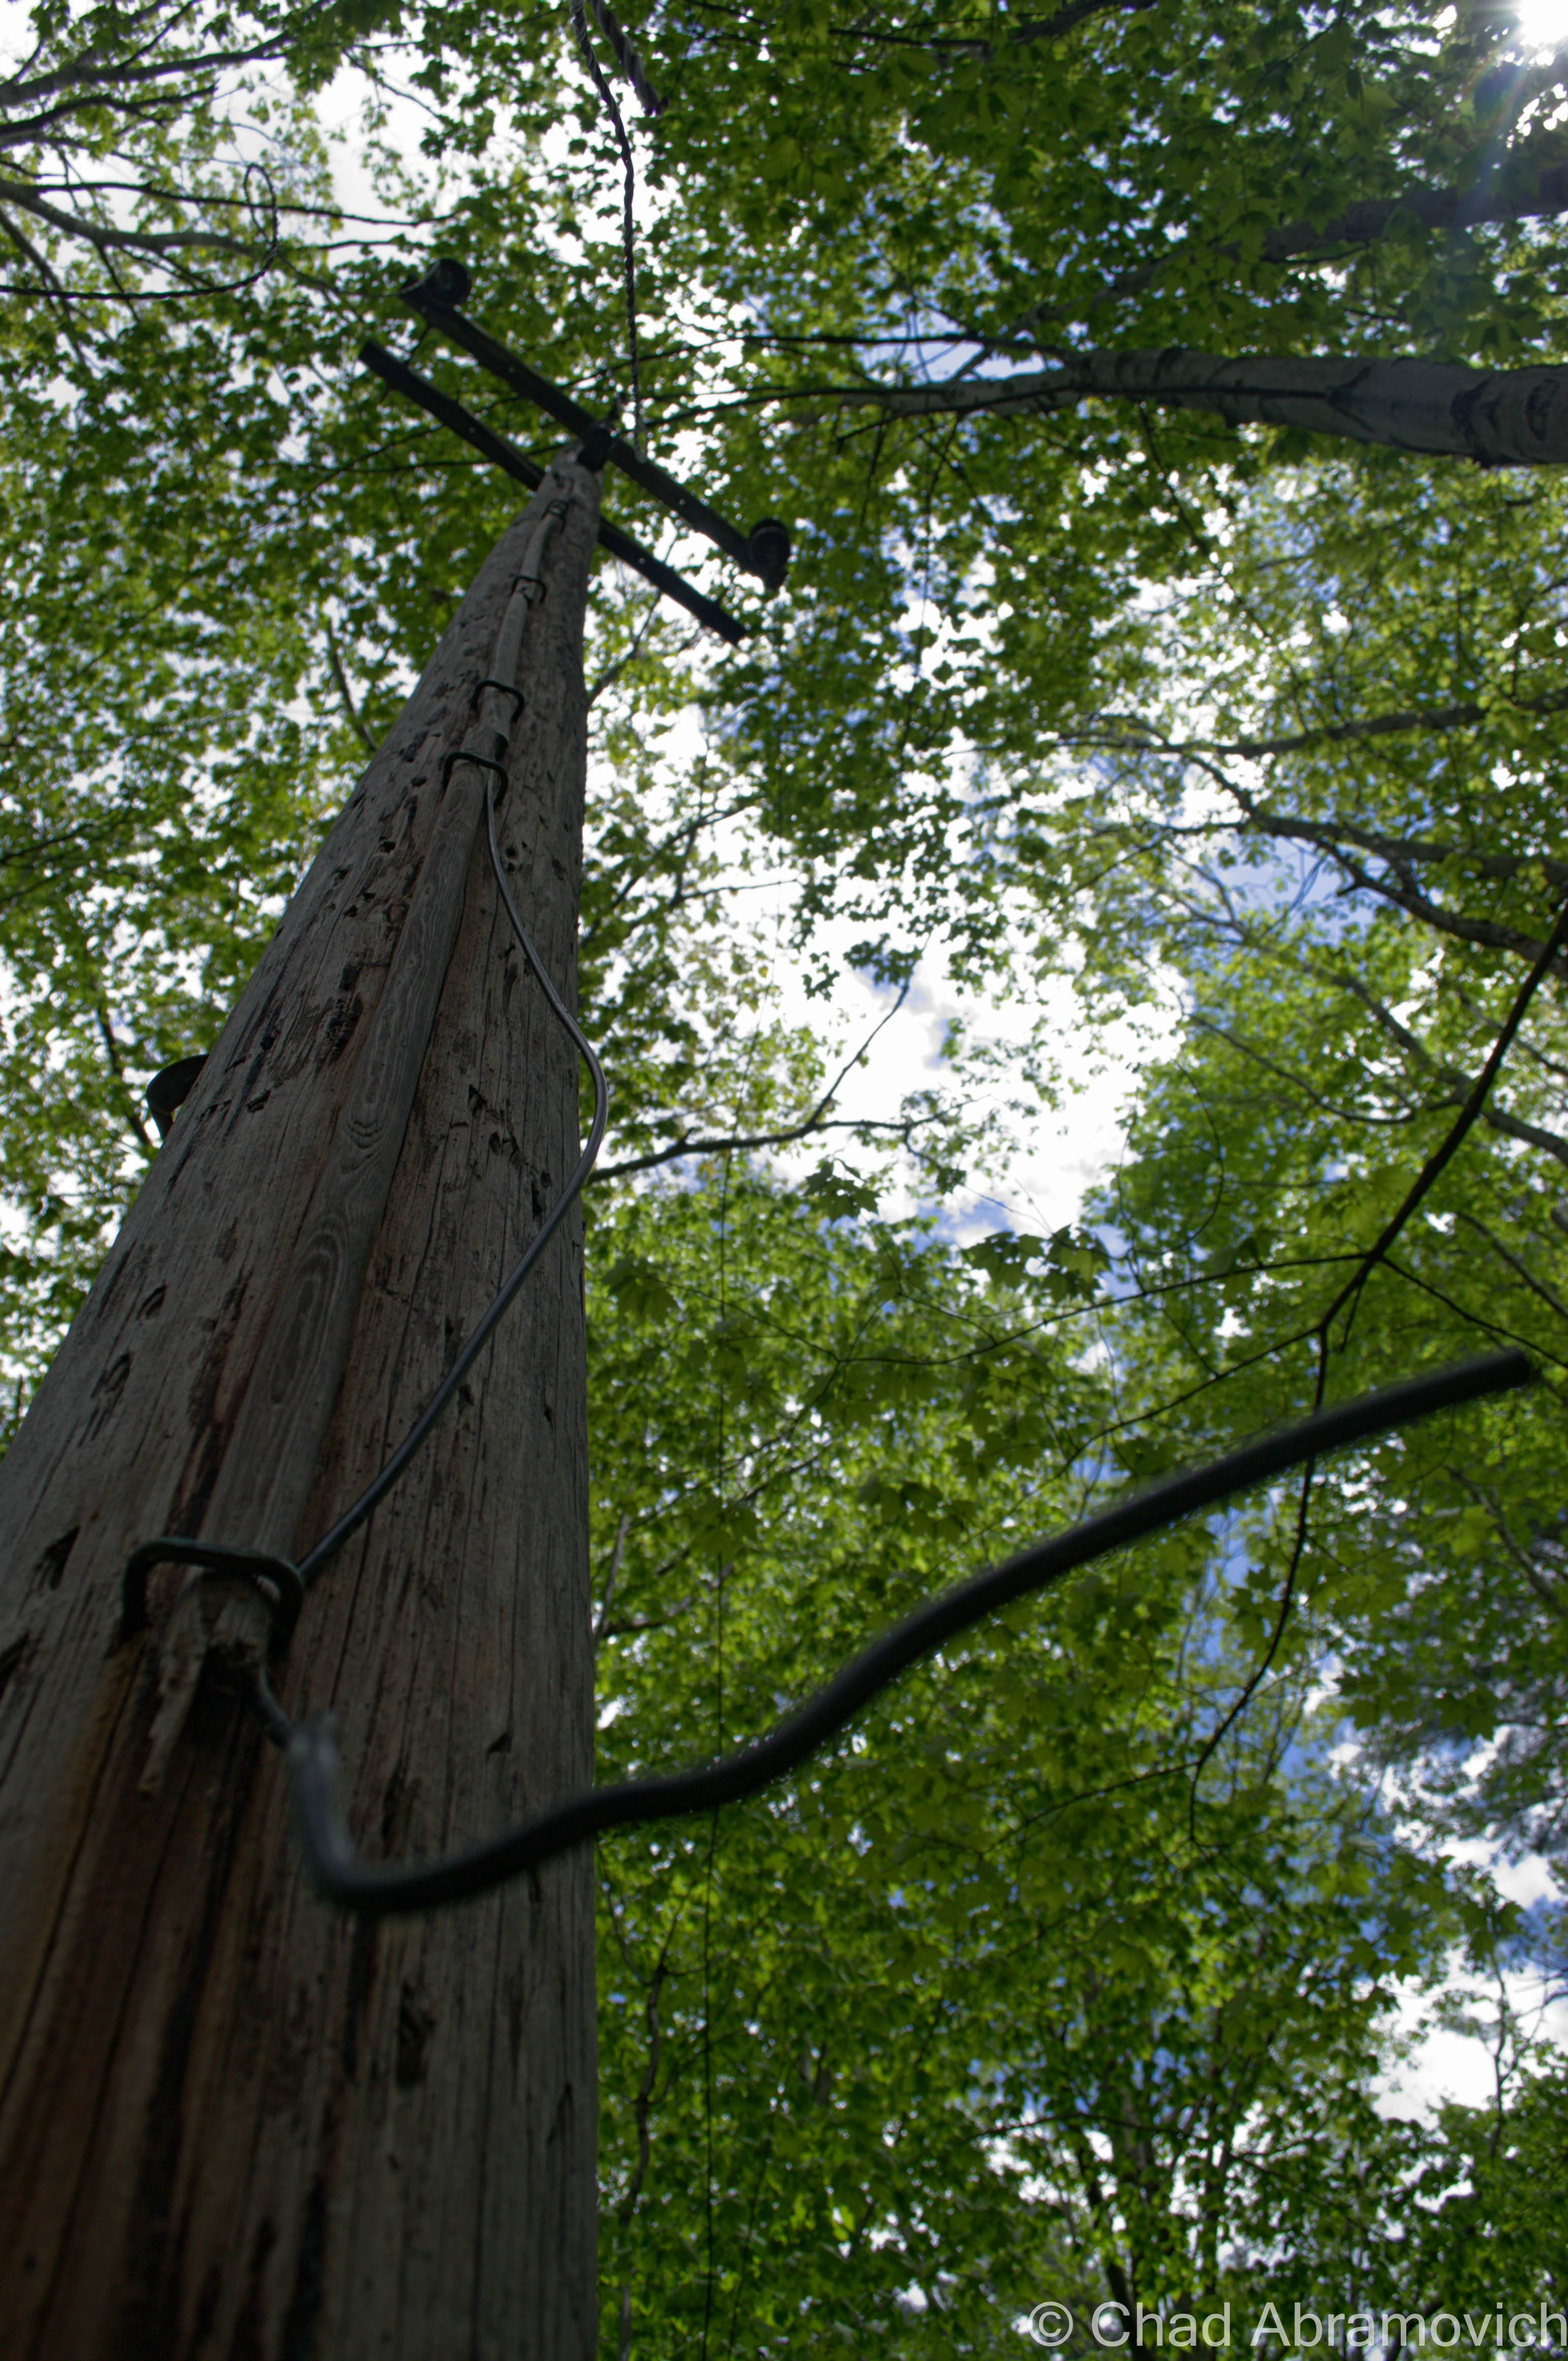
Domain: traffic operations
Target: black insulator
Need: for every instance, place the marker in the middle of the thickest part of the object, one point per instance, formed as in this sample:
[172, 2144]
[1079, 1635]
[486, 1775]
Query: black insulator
[446, 283]
[596, 444]
[171, 1089]
[770, 543]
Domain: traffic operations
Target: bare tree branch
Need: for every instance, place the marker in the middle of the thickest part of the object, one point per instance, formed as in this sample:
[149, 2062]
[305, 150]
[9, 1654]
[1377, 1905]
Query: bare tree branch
[1496, 1118]
[1401, 889]
[1543, 1590]
[1530, 182]
[124, 1093]
[356, 718]
[1548, 1295]
[739, 1143]
[155, 243]
[58, 295]
[1435, 717]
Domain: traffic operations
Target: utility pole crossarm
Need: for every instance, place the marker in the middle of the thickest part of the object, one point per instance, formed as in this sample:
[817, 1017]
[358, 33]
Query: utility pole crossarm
[505, 454]
[760, 551]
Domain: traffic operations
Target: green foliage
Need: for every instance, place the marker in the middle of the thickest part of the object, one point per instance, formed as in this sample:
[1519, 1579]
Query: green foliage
[1069, 1971]
[1353, 913]
[973, 2007]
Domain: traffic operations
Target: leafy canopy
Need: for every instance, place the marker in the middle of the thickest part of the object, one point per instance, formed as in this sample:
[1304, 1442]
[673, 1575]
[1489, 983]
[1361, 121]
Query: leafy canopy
[1022, 1989]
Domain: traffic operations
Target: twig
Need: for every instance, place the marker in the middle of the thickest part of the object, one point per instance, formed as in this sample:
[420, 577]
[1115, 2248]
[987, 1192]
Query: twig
[628, 221]
[354, 716]
[1464, 1123]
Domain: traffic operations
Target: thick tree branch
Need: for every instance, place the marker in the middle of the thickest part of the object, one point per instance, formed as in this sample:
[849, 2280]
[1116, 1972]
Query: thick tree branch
[92, 73]
[1020, 36]
[1406, 851]
[1435, 718]
[1400, 888]
[1530, 182]
[1498, 417]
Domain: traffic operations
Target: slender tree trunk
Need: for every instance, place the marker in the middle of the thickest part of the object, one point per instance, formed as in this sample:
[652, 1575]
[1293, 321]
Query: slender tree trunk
[1529, 181]
[1503, 418]
[233, 2121]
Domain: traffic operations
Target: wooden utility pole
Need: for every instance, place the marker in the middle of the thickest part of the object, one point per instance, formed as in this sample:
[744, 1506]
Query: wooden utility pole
[233, 2121]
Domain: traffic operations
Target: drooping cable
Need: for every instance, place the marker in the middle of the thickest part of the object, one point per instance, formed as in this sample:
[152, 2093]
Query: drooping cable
[312, 1752]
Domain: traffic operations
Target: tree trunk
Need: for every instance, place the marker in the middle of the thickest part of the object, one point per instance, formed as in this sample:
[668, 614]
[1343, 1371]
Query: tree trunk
[1503, 418]
[232, 2121]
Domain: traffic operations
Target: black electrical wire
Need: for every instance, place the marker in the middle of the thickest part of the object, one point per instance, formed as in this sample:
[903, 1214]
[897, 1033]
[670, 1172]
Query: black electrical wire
[378, 1891]
[311, 1564]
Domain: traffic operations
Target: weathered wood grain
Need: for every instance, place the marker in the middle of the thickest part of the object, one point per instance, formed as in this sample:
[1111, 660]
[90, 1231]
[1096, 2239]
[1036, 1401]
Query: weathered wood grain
[230, 2121]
